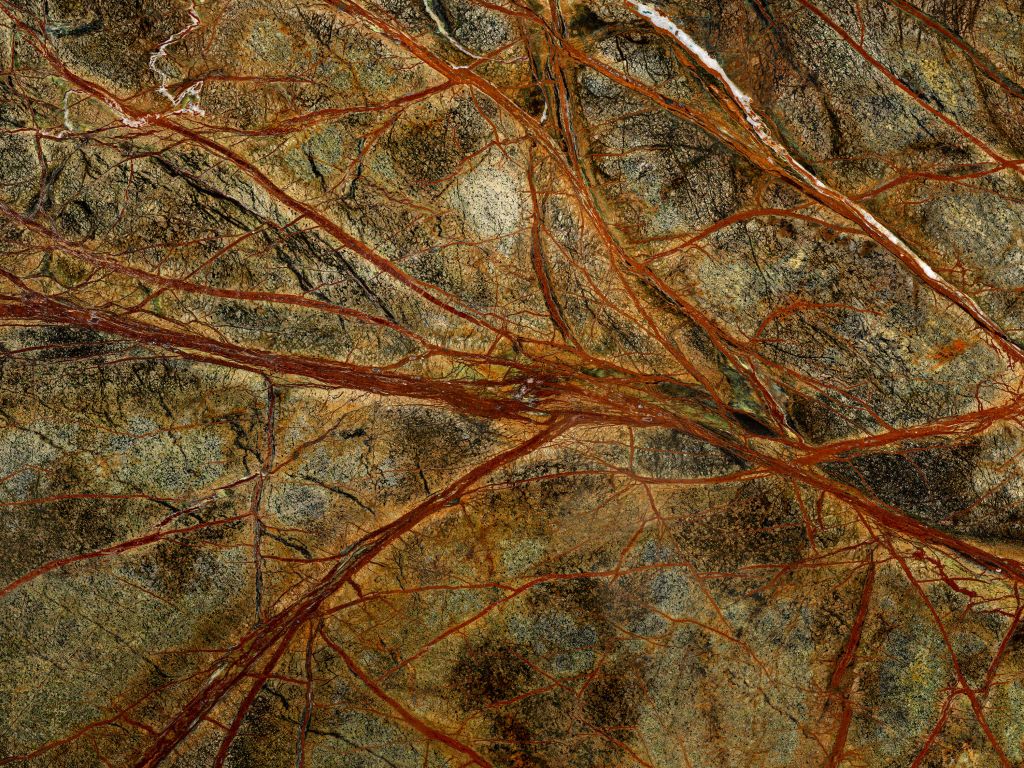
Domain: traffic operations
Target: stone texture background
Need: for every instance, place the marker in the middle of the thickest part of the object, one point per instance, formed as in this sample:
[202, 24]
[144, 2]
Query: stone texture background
[489, 382]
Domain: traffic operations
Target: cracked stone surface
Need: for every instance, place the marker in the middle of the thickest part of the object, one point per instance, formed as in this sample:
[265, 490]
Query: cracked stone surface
[511, 383]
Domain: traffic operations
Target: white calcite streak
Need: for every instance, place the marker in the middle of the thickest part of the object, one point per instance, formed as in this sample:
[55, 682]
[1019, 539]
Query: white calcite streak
[161, 53]
[443, 30]
[179, 102]
[69, 127]
[848, 207]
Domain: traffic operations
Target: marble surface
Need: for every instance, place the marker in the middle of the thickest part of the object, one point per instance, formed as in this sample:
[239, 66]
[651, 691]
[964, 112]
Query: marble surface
[512, 383]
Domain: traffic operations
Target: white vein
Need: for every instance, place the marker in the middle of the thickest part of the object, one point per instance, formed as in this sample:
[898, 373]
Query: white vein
[439, 23]
[163, 78]
[761, 130]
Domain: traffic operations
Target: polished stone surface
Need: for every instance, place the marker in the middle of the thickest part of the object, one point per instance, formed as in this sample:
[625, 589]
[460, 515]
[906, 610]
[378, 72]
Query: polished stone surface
[513, 383]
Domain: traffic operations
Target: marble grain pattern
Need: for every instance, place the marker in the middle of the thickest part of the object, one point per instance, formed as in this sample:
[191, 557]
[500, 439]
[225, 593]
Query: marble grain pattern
[511, 383]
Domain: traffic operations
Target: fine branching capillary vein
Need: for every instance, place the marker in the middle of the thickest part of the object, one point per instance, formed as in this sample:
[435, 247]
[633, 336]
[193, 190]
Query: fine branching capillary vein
[628, 268]
[793, 169]
[406, 386]
[268, 636]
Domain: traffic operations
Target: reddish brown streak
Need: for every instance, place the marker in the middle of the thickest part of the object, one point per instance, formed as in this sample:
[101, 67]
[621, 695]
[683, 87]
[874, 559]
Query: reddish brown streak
[274, 632]
[840, 682]
[415, 722]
